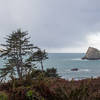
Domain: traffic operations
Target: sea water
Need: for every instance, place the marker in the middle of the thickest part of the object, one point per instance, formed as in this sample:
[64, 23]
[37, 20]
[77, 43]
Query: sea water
[64, 62]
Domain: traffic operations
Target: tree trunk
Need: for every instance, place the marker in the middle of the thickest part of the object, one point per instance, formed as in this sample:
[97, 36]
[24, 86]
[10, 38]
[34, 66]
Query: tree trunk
[19, 73]
[42, 65]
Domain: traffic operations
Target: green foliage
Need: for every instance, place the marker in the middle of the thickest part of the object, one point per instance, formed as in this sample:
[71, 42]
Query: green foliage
[30, 94]
[39, 56]
[51, 72]
[3, 96]
[39, 74]
[35, 73]
[16, 48]
[20, 55]
[33, 95]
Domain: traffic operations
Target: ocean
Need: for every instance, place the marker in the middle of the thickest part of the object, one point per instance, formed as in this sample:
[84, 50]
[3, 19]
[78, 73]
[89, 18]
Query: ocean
[64, 62]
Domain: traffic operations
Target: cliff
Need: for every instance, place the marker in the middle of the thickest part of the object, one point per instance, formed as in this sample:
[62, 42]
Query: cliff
[92, 54]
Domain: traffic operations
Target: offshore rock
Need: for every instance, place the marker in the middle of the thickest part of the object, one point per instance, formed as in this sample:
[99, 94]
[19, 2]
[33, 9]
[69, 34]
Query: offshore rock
[74, 69]
[92, 54]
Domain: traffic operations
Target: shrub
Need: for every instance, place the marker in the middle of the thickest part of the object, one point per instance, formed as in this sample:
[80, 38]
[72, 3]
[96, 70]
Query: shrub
[33, 95]
[3, 96]
[51, 72]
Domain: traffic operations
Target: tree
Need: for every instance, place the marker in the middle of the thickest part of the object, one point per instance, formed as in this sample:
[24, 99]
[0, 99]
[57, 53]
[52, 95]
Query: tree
[16, 52]
[39, 56]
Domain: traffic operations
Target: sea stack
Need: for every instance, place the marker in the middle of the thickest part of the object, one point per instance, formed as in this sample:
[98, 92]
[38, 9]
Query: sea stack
[92, 54]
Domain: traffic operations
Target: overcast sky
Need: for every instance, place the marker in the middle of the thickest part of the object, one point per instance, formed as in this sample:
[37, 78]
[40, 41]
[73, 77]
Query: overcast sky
[54, 25]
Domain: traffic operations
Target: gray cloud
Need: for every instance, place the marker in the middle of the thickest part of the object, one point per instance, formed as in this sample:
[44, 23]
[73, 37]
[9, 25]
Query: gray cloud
[51, 23]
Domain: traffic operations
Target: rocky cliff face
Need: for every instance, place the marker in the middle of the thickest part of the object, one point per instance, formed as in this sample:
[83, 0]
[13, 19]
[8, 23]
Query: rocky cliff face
[92, 54]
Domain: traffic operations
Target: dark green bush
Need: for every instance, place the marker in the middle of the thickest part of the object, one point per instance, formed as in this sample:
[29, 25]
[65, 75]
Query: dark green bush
[51, 72]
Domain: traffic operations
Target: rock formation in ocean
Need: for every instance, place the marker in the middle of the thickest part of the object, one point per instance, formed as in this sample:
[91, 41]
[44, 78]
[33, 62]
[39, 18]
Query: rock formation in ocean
[92, 54]
[74, 69]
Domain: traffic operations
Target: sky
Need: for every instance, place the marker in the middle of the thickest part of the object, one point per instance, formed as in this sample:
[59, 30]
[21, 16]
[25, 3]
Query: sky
[58, 26]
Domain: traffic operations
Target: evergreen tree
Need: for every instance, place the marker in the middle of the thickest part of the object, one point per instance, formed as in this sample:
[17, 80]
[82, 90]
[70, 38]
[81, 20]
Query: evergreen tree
[39, 56]
[16, 52]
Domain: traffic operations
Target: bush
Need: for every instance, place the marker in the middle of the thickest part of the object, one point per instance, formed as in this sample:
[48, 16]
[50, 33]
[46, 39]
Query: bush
[51, 72]
[33, 95]
[3, 96]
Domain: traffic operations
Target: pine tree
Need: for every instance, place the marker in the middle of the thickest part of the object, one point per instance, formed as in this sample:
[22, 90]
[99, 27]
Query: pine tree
[16, 52]
[39, 56]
